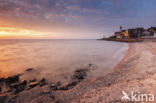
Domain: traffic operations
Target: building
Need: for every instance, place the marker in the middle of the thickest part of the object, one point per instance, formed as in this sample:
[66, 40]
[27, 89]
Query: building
[130, 33]
[152, 31]
[118, 35]
[136, 32]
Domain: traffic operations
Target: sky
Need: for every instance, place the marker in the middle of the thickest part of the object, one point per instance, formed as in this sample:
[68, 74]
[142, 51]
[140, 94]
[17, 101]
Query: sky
[73, 19]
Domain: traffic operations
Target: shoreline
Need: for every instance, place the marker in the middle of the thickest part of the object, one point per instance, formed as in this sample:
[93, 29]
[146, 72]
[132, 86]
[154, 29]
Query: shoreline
[124, 40]
[136, 73]
[124, 57]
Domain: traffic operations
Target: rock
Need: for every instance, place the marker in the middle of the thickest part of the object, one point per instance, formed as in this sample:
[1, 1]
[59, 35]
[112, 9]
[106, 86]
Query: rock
[20, 74]
[33, 80]
[58, 83]
[46, 92]
[79, 74]
[24, 82]
[28, 88]
[63, 88]
[53, 87]
[90, 65]
[29, 69]
[69, 86]
[15, 85]
[20, 87]
[12, 79]
[0, 89]
[3, 98]
[58, 101]
[9, 90]
[14, 97]
[11, 101]
[52, 97]
[33, 84]
[2, 80]
[42, 82]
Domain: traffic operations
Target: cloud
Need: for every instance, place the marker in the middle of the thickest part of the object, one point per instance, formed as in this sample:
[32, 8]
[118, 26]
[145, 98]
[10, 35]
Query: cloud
[64, 15]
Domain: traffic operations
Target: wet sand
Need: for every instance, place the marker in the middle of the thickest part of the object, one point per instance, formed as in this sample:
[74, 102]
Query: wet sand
[136, 72]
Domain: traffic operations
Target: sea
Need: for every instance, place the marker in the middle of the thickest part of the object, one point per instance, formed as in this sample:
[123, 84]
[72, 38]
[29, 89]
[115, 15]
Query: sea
[56, 60]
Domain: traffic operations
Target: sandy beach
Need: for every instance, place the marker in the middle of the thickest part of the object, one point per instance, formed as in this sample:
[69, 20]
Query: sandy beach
[136, 72]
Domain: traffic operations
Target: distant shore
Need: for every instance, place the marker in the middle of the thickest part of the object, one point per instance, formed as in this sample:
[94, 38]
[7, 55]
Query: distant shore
[132, 40]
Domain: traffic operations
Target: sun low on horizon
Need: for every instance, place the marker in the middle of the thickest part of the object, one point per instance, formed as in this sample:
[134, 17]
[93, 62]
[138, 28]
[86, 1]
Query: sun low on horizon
[72, 19]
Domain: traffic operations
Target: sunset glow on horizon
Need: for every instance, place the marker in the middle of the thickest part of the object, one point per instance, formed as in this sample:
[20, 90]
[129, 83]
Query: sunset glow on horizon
[10, 32]
[72, 19]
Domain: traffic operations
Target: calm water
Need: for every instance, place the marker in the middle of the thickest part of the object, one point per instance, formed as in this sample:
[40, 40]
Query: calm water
[57, 59]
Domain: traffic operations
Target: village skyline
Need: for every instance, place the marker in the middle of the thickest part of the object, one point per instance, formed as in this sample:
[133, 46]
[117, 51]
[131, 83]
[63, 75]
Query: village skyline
[135, 32]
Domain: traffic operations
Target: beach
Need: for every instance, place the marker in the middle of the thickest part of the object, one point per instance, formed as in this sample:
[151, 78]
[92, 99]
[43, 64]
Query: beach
[136, 72]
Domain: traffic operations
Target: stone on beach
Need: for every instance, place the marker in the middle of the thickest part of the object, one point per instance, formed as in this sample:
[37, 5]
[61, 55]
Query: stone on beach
[79, 74]
[0, 89]
[11, 101]
[2, 80]
[15, 86]
[24, 83]
[52, 97]
[53, 87]
[58, 83]
[29, 69]
[33, 84]
[20, 87]
[42, 82]
[3, 98]
[90, 65]
[33, 80]
[69, 86]
[12, 79]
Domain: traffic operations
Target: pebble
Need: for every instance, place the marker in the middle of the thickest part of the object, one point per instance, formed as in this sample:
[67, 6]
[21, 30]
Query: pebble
[3, 98]
[29, 69]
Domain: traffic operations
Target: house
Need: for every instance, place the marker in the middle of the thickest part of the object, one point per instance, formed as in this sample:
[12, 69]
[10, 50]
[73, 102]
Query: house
[118, 35]
[126, 34]
[130, 33]
[152, 31]
[136, 32]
